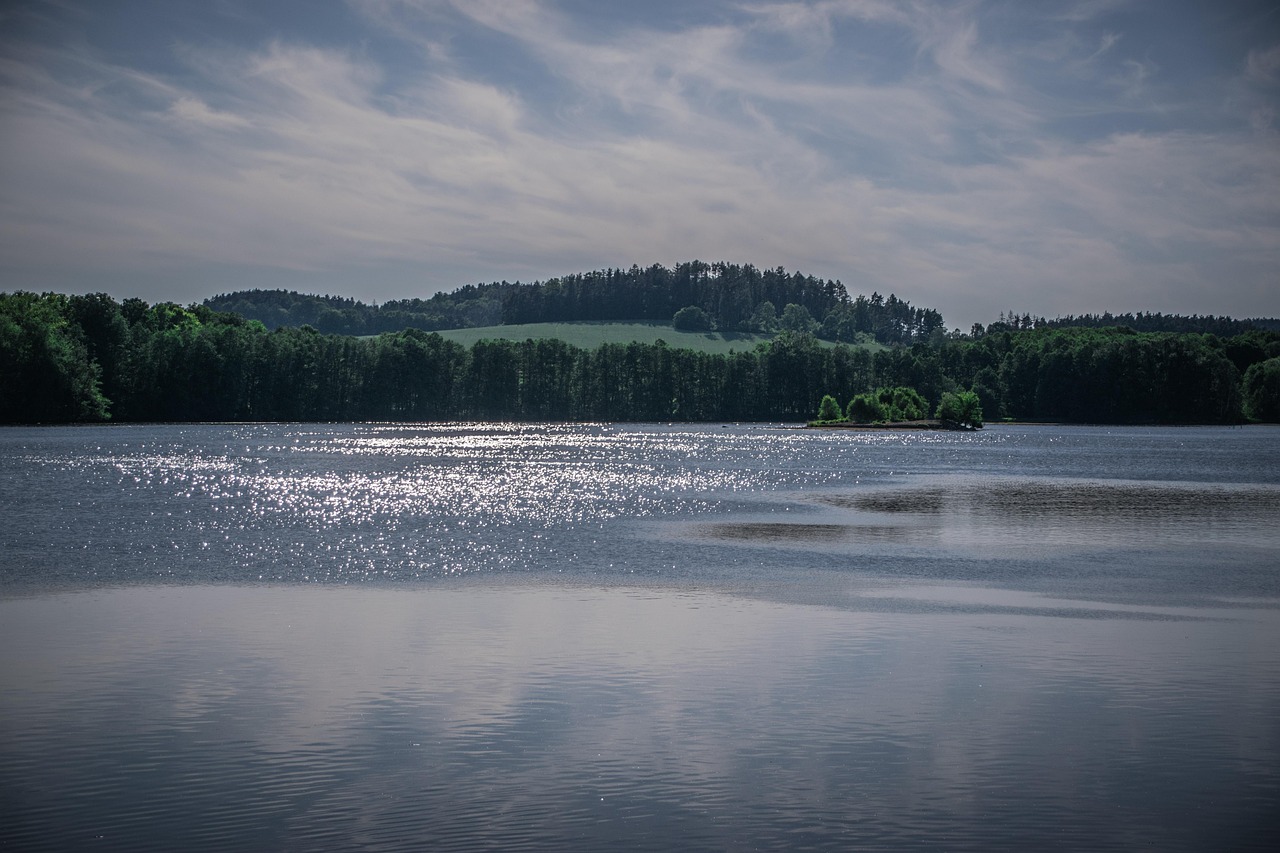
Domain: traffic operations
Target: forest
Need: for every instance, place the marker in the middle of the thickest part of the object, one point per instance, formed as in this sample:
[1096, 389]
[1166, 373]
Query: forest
[1142, 321]
[467, 307]
[731, 297]
[91, 358]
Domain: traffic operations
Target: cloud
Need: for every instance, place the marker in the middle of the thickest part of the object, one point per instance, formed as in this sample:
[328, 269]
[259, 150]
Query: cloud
[192, 109]
[761, 137]
[1263, 66]
[1107, 41]
[1132, 79]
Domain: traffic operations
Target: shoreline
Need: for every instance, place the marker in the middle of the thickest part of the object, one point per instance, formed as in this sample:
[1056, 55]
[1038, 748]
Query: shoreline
[896, 425]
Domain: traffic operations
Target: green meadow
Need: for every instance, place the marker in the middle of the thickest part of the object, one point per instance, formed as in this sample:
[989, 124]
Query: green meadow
[589, 335]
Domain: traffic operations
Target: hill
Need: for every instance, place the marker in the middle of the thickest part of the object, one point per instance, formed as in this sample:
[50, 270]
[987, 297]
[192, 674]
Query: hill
[728, 298]
[473, 305]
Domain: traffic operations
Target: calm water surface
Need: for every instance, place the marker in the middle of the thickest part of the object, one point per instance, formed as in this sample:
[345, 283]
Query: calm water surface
[589, 637]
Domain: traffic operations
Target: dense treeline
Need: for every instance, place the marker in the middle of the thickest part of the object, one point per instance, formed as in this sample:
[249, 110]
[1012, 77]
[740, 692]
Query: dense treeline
[732, 298]
[467, 307]
[1142, 321]
[1099, 375]
[87, 358]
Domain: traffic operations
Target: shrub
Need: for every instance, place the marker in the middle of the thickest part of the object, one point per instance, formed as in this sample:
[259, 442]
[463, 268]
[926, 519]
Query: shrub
[902, 404]
[691, 319]
[888, 404]
[962, 409]
[865, 409]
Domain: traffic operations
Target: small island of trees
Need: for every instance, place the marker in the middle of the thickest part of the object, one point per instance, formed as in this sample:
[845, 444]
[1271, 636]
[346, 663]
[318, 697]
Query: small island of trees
[900, 406]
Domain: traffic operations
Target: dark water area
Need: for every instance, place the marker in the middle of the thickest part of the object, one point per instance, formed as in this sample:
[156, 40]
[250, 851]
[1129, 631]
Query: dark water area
[640, 637]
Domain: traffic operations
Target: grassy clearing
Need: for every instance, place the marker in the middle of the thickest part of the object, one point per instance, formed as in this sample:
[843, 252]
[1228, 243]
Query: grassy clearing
[588, 335]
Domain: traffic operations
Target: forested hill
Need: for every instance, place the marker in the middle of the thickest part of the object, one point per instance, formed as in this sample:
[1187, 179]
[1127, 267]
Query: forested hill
[728, 297]
[731, 295]
[473, 305]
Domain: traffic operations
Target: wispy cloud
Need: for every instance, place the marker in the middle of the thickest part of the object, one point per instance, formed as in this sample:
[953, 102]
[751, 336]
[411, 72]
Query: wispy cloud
[1133, 77]
[1106, 42]
[1263, 66]
[188, 108]
[899, 146]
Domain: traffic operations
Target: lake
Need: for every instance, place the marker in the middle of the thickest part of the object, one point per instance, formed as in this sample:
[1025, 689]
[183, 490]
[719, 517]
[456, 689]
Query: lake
[638, 637]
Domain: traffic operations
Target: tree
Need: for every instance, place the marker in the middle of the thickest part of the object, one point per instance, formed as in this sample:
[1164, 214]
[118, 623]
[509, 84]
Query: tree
[865, 409]
[902, 404]
[961, 408]
[766, 317]
[829, 409]
[691, 318]
[1262, 391]
[796, 318]
[897, 403]
[986, 384]
[46, 374]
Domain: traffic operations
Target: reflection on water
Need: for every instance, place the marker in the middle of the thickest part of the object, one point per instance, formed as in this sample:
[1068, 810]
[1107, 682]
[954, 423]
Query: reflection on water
[909, 500]
[580, 718]
[1072, 501]
[993, 516]
[767, 532]
[654, 637]
[808, 534]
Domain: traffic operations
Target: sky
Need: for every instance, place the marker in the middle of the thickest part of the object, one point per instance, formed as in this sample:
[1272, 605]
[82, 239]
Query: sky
[975, 157]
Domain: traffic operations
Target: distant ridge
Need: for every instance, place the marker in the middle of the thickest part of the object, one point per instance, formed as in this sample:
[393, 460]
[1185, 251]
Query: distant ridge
[734, 298]
[1140, 322]
[473, 305]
